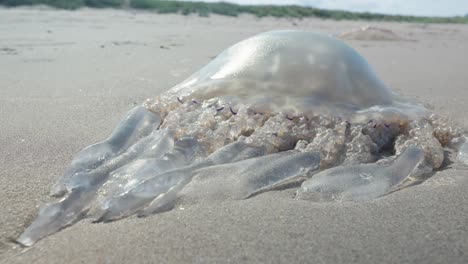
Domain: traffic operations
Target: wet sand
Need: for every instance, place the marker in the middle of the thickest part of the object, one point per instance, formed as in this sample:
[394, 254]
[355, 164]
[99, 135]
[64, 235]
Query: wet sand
[67, 77]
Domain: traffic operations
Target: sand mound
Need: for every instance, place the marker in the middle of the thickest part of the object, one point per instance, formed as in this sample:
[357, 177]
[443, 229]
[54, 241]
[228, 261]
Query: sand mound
[371, 33]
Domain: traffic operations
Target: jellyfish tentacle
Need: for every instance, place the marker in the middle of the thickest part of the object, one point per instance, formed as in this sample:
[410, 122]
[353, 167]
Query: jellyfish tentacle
[164, 201]
[135, 135]
[130, 202]
[360, 182]
[55, 216]
[137, 123]
[463, 152]
[136, 183]
[246, 178]
[404, 165]
[154, 145]
[234, 152]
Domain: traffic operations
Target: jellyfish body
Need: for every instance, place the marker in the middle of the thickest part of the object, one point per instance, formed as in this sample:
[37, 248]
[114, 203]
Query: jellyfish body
[271, 112]
[289, 70]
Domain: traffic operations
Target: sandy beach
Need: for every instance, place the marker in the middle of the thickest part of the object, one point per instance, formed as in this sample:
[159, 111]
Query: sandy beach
[67, 77]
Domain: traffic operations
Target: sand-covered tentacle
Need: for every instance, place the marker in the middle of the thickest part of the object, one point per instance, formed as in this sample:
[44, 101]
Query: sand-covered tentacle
[154, 145]
[137, 184]
[360, 182]
[123, 202]
[245, 178]
[138, 123]
[164, 201]
[127, 178]
[55, 216]
[139, 128]
[231, 153]
[463, 153]
[130, 202]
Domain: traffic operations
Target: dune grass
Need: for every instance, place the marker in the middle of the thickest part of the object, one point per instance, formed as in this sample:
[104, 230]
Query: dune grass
[65, 4]
[227, 9]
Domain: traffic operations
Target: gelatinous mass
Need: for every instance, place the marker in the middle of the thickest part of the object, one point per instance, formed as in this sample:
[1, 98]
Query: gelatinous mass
[273, 111]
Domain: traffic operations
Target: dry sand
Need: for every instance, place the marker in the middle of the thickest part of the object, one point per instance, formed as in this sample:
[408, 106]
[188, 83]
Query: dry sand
[66, 78]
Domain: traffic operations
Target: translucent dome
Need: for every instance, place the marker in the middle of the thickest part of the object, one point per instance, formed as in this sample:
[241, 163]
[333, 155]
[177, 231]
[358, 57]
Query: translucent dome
[289, 70]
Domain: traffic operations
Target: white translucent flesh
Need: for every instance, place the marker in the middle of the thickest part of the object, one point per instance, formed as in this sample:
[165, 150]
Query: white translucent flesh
[250, 175]
[289, 70]
[138, 123]
[135, 136]
[168, 183]
[129, 176]
[245, 178]
[235, 153]
[136, 184]
[55, 216]
[360, 182]
[463, 153]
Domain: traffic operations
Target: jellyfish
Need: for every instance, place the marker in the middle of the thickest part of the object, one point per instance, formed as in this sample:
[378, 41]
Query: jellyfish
[282, 109]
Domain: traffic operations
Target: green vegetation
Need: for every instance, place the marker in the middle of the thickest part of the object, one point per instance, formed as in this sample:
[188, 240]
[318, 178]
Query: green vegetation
[227, 9]
[65, 4]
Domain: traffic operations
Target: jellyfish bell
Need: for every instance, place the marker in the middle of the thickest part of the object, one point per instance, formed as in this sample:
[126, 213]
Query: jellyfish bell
[290, 71]
[271, 112]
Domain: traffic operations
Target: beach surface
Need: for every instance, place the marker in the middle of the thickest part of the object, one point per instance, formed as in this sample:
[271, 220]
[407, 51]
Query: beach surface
[67, 77]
